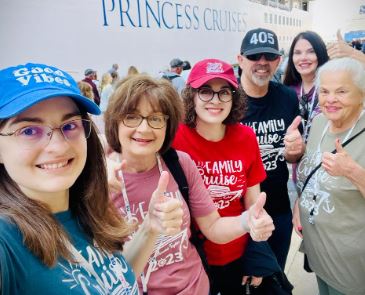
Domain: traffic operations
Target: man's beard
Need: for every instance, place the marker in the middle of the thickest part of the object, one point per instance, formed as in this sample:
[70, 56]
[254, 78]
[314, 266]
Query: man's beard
[259, 80]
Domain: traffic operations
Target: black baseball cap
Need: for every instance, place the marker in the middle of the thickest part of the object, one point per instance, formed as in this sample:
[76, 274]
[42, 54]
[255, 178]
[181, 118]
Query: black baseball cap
[260, 41]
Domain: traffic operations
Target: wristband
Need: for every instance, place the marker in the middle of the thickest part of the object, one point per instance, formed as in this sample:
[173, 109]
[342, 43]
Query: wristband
[244, 221]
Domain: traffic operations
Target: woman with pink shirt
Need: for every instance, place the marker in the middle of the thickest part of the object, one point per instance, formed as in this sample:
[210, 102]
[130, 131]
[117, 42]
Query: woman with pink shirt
[141, 121]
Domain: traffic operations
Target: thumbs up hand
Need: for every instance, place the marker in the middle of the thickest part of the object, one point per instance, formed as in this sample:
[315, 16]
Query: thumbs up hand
[339, 48]
[164, 213]
[293, 141]
[338, 164]
[259, 223]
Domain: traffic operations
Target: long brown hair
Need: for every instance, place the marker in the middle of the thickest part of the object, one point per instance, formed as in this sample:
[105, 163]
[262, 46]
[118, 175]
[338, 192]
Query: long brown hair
[89, 203]
[127, 94]
[292, 77]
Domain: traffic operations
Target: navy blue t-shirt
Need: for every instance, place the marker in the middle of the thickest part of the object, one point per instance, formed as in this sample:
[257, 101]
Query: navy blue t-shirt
[23, 273]
[270, 116]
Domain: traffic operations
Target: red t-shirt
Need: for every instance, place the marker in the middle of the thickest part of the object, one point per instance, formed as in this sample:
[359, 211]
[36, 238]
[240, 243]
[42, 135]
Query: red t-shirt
[228, 167]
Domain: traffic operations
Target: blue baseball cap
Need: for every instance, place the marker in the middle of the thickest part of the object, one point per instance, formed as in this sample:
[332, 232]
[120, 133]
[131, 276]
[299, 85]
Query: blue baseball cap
[23, 86]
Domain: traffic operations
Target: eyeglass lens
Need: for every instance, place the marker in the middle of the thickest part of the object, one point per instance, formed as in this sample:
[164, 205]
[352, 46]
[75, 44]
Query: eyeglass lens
[267, 56]
[206, 94]
[155, 121]
[35, 135]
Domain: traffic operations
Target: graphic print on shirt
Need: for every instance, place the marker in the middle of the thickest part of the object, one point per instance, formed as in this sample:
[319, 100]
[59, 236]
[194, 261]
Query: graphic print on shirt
[219, 177]
[270, 136]
[168, 249]
[321, 179]
[111, 270]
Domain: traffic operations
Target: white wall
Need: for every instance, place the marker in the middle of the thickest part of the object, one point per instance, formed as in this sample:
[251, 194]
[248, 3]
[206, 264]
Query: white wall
[79, 34]
[330, 15]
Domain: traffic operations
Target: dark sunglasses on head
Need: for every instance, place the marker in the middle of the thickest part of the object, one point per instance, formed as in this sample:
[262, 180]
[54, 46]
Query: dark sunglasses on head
[267, 56]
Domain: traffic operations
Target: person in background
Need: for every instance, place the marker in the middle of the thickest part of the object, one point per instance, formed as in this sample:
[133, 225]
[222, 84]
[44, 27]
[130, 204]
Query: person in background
[90, 77]
[214, 106]
[273, 113]
[114, 69]
[106, 89]
[86, 89]
[174, 74]
[329, 215]
[186, 70]
[60, 234]
[307, 53]
[340, 48]
[141, 121]
[132, 70]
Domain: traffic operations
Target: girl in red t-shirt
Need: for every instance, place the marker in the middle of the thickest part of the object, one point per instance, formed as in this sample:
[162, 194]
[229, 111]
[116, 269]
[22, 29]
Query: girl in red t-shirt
[228, 159]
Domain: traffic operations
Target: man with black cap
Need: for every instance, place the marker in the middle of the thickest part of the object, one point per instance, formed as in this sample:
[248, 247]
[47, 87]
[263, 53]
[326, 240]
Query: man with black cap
[176, 68]
[272, 113]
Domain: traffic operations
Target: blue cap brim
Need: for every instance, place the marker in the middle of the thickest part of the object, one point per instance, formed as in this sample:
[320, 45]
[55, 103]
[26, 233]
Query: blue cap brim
[29, 99]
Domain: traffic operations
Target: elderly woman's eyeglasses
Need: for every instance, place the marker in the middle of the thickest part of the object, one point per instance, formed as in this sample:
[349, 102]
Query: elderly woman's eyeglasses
[206, 94]
[35, 136]
[155, 121]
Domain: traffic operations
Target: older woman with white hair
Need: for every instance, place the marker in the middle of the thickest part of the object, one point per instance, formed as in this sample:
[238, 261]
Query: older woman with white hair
[330, 213]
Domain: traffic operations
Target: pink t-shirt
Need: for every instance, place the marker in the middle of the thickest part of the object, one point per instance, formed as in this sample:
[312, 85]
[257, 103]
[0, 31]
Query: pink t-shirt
[228, 167]
[175, 266]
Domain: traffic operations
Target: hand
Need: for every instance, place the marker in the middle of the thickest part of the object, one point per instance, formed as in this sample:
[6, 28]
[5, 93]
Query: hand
[255, 281]
[339, 48]
[296, 219]
[338, 164]
[259, 222]
[293, 140]
[164, 213]
[113, 170]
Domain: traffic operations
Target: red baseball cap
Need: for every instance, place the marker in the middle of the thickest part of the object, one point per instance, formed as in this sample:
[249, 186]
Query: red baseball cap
[208, 69]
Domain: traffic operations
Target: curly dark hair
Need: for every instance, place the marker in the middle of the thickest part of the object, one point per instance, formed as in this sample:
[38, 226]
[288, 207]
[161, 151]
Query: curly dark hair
[239, 106]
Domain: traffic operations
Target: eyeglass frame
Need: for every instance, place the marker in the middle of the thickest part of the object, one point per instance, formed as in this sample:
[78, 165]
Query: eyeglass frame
[267, 55]
[216, 92]
[165, 117]
[52, 129]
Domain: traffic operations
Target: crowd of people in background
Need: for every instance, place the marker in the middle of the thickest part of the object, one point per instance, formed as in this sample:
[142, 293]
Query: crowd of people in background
[177, 184]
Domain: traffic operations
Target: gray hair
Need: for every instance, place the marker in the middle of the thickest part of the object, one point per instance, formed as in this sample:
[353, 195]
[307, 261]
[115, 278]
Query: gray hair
[354, 67]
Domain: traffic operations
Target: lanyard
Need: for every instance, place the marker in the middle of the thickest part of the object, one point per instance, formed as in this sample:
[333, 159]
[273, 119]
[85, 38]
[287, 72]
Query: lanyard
[310, 110]
[144, 277]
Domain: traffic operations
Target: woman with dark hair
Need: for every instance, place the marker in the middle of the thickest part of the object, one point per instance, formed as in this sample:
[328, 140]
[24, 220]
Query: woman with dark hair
[307, 53]
[228, 159]
[60, 234]
[141, 122]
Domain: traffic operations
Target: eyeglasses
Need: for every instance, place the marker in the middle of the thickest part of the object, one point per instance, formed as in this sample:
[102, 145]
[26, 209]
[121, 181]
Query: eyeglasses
[155, 121]
[267, 56]
[40, 135]
[206, 94]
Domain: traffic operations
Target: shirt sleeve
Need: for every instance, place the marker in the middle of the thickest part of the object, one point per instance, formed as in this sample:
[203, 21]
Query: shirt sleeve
[200, 202]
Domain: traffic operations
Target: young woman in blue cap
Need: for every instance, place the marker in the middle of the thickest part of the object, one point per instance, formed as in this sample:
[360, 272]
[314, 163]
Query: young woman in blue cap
[59, 232]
